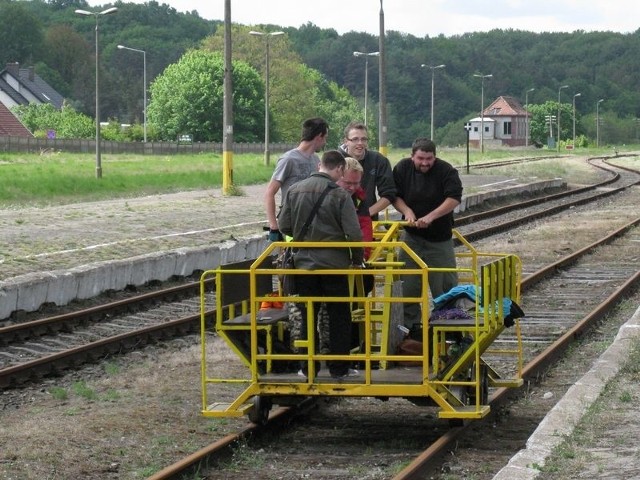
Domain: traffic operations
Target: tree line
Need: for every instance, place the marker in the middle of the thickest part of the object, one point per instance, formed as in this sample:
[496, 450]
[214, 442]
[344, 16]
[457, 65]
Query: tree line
[313, 72]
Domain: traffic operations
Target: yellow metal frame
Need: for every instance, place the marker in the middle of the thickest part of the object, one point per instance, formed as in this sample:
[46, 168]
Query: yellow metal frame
[498, 274]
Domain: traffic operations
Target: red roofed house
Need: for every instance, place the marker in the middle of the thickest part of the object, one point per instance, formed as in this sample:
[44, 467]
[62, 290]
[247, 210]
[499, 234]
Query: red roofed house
[10, 125]
[22, 86]
[504, 123]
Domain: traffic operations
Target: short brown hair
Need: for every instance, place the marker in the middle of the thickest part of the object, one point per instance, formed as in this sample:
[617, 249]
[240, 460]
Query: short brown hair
[332, 159]
[424, 144]
[355, 125]
[313, 127]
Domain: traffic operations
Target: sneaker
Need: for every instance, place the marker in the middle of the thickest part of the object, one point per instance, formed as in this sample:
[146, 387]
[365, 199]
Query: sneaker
[302, 374]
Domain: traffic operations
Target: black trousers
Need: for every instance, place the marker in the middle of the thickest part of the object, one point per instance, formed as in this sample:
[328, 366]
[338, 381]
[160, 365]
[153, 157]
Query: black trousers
[339, 313]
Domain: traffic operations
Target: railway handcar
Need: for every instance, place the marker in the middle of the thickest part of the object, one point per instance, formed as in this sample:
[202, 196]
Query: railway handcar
[447, 363]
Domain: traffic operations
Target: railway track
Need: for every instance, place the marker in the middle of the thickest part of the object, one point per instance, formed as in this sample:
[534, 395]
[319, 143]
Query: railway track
[47, 346]
[547, 333]
[158, 320]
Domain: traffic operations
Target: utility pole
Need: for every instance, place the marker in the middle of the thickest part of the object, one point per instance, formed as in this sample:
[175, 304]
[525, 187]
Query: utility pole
[227, 113]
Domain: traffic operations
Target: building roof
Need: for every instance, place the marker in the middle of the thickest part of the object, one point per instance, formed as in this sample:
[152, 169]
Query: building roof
[31, 81]
[40, 88]
[13, 94]
[10, 125]
[505, 106]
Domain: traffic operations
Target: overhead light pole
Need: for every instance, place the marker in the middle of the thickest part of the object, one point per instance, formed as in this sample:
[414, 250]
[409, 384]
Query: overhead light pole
[598, 121]
[526, 119]
[382, 88]
[433, 70]
[482, 77]
[559, 91]
[266, 89]
[144, 91]
[366, 76]
[574, 119]
[97, 15]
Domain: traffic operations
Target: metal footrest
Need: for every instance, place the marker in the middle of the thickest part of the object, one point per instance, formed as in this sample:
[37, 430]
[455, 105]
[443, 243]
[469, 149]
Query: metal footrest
[506, 383]
[224, 410]
[466, 412]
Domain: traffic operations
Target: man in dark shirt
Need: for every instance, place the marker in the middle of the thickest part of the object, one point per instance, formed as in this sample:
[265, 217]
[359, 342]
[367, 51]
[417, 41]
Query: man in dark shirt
[334, 221]
[428, 191]
[377, 179]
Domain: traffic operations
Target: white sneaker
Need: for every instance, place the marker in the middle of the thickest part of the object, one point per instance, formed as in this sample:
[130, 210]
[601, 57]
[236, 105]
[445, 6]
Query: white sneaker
[302, 374]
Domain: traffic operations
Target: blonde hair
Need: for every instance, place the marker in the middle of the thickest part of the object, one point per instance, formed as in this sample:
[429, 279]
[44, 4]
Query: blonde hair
[353, 164]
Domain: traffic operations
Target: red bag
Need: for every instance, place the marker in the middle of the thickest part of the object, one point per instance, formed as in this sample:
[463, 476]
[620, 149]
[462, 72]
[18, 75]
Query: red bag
[409, 346]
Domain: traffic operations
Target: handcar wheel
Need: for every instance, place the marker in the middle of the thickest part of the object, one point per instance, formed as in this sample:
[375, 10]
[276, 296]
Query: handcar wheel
[456, 422]
[484, 386]
[259, 414]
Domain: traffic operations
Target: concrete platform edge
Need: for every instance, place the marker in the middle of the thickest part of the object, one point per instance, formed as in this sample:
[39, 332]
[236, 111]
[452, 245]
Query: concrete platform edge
[565, 415]
[29, 292]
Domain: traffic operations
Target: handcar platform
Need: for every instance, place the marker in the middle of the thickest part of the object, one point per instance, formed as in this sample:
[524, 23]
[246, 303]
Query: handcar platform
[446, 364]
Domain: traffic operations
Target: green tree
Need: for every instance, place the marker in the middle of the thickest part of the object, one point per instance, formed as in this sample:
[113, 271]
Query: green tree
[539, 128]
[296, 90]
[21, 37]
[187, 98]
[71, 57]
[335, 104]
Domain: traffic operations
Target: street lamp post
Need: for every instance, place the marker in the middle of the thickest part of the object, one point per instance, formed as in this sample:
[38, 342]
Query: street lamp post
[97, 15]
[433, 69]
[598, 121]
[266, 89]
[559, 90]
[526, 119]
[574, 119]
[144, 80]
[479, 75]
[366, 76]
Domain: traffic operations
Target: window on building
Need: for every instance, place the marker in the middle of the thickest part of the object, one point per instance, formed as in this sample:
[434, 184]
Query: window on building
[506, 128]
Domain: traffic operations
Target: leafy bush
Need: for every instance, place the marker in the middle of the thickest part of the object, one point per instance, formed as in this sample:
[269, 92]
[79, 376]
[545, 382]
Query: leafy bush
[66, 122]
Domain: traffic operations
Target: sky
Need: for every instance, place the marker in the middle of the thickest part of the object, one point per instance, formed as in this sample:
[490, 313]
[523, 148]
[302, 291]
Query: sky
[425, 17]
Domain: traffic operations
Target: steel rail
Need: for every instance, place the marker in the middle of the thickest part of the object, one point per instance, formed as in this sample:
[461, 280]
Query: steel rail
[535, 367]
